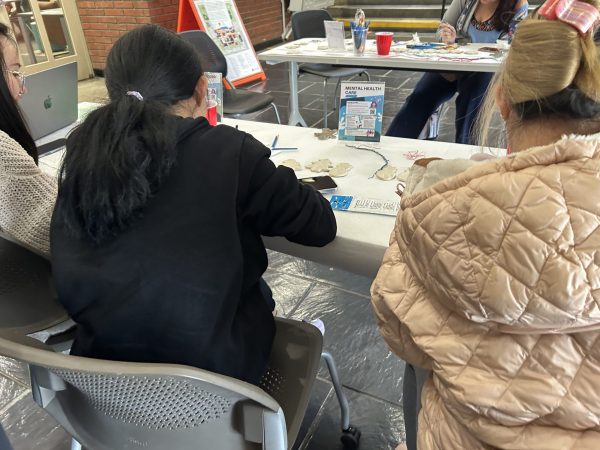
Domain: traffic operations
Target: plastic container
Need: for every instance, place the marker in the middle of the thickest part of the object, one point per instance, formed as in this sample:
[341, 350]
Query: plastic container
[384, 42]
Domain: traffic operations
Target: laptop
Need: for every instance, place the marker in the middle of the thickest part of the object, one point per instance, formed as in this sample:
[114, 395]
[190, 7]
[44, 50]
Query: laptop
[51, 100]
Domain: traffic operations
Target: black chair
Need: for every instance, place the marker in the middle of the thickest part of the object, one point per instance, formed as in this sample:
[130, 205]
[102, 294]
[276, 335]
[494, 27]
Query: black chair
[28, 300]
[236, 102]
[309, 24]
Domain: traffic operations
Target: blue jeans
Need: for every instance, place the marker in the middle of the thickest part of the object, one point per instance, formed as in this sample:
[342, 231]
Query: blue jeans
[431, 91]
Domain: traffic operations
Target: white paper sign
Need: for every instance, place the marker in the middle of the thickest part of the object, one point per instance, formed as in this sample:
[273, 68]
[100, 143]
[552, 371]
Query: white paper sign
[334, 31]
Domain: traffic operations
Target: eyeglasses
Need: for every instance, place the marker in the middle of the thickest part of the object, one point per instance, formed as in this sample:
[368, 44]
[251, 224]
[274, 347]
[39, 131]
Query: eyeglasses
[19, 76]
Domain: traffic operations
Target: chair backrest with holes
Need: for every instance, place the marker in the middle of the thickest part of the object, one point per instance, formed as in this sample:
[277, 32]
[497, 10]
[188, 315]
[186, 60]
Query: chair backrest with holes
[110, 405]
[293, 366]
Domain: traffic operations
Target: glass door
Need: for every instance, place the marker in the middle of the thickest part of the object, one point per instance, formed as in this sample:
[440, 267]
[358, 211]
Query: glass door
[48, 34]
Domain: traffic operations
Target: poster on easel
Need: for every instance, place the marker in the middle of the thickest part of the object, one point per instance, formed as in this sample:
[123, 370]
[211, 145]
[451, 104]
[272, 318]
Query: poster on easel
[361, 111]
[221, 20]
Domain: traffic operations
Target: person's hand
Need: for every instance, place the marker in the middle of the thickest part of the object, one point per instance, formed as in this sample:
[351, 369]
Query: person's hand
[447, 33]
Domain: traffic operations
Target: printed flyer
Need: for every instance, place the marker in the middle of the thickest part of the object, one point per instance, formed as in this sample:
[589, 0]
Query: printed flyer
[215, 91]
[224, 25]
[361, 111]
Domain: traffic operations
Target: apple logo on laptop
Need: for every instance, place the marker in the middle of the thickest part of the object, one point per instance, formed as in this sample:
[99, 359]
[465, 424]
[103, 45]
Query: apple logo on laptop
[48, 103]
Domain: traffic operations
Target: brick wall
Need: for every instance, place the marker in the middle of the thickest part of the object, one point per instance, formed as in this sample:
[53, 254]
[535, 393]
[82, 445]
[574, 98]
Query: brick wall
[262, 19]
[104, 21]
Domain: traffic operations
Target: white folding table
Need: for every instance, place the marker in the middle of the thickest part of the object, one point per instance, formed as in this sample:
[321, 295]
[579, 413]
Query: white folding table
[362, 238]
[314, 50]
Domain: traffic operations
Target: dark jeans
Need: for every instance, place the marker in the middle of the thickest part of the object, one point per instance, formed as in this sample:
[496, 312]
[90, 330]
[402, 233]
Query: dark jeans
[412, 385]
[4, 443]
[431, 91]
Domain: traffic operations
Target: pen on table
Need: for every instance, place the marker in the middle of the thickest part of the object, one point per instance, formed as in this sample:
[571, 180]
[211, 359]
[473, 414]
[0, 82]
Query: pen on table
[274, 141]
[278, 151]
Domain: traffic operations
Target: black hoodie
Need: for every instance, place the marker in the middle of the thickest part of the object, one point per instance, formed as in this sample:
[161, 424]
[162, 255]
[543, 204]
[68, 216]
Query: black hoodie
[183, 284]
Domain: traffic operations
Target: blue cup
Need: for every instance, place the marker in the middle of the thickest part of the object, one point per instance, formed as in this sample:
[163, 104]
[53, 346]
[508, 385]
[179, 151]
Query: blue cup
[359, 39]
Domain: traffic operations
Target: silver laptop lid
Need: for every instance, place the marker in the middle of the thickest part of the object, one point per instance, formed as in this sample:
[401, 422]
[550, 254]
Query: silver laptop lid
[51, 100]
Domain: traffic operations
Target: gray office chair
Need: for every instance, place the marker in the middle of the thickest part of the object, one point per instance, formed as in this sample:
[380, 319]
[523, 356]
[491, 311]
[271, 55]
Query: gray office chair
[309, 24]
[28, 302]
[236, 102]
[111, 405]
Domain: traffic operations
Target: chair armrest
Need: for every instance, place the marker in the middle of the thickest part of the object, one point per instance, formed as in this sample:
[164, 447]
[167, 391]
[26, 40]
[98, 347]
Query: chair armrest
[274, 431]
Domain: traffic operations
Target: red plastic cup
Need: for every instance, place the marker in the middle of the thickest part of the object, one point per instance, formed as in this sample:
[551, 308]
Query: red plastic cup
[384, 42]
[211, 112]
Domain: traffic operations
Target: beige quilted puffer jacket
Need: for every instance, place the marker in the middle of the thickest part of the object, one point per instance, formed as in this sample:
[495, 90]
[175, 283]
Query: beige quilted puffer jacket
[492, 280]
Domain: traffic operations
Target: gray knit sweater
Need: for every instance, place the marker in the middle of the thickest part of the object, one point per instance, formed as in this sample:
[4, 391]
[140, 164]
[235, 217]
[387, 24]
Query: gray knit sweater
[27, 197]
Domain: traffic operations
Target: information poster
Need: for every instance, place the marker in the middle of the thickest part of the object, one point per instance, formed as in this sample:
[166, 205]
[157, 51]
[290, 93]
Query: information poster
[361, 111]
[222, 21]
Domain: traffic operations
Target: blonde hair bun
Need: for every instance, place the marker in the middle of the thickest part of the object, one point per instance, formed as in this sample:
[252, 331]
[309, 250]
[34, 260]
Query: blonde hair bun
[547, 57]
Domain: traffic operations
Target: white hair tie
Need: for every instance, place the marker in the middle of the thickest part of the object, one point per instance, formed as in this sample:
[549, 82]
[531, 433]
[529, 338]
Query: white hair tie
[135, 94]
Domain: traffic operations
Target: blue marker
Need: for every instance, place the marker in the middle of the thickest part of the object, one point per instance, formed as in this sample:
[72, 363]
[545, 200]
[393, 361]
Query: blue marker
[274, 141]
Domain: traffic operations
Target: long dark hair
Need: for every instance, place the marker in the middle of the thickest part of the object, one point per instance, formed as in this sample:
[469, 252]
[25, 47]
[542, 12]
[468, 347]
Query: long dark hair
[11, 120]
[504, 14]
[118, 157]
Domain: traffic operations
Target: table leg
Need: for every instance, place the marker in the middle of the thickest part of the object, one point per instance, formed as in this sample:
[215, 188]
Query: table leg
[295, 116]
[27, 38]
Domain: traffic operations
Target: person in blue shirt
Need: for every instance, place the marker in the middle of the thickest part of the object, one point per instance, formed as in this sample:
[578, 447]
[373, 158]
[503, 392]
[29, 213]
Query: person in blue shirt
[481, 21]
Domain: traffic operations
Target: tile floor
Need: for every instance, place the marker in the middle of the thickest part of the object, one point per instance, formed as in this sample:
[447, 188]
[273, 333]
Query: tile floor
[371, 375]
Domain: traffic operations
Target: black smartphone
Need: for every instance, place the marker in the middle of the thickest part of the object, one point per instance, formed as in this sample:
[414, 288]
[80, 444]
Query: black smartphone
[324, 184]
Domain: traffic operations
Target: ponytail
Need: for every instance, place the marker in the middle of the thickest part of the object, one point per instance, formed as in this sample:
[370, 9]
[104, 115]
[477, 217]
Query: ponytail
[116, 160]
[120, 155]
[551, 71]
